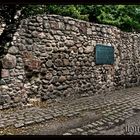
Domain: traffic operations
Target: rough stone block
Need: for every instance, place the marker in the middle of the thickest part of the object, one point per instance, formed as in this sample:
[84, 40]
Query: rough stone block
[54, 79]
[4, 73]
[41, 35]
[35, 34]
[62, 79]
[69, 42]
[50, 87]
[13, 50]
[66, 62]
[49, 63]
[2, 82]
[18, 125]
[89, 49]
[54, 25]
[9, 61]
[2, 101]
[89, 31]
[58, 62]
[22, 47]
[17, 99]
[80, 50]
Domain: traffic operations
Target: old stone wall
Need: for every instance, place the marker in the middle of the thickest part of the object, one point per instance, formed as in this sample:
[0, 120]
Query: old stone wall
[53, 58]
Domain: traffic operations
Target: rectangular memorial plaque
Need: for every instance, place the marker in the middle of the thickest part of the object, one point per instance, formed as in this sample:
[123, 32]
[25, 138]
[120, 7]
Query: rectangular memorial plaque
[104, 54]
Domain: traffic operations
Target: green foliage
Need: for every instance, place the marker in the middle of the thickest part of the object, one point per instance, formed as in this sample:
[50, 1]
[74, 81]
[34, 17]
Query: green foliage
[31, 10]
[126, 17]
[67, 10]
[64, 10]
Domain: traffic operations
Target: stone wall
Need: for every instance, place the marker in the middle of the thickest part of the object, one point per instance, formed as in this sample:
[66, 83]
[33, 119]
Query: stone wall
[53, 58]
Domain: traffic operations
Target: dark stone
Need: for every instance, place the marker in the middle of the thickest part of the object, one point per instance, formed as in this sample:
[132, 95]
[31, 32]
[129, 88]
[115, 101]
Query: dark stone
[43, 71]
[48, 76]
[8, 80]
[35, 34]
[29, 47]
[36, 39]
[65, 72]
[7, 98]
[56, 93]
[45, 97]
[29, 41]
[58, 62]
[28, 35]
[22, 47]
[54, 79]
[2, 101]
[55, 56]
[52, 96]
[36, 24]
[83, 28]
[29, 75]
[133, 80]
[50, 87]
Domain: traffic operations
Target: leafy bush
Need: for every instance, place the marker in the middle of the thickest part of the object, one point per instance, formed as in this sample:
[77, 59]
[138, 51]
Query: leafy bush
[126, 17]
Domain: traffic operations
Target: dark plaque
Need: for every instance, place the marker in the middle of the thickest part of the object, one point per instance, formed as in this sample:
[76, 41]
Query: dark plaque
[104, 54]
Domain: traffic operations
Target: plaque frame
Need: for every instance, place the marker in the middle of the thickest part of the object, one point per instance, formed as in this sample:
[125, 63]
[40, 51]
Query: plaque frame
[104, 54]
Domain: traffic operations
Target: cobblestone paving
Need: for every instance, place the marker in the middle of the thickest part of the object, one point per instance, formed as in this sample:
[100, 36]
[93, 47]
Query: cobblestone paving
[114, 114]
[115, 109]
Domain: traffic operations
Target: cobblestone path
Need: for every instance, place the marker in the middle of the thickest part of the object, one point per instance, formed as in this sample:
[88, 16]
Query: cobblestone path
[114, 109]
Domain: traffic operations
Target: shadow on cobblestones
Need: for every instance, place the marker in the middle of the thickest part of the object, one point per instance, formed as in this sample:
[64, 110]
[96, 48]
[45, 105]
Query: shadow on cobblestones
[100, 114]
